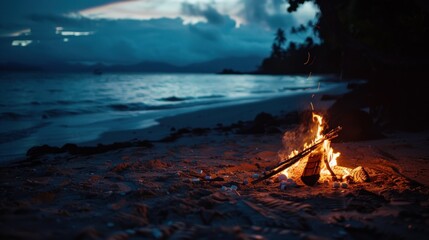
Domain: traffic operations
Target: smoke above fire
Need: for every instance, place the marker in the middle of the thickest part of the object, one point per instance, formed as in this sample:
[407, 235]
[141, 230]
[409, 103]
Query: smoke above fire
[295, 139]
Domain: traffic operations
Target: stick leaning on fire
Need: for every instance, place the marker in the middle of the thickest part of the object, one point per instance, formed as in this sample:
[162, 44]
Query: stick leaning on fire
[291, 161]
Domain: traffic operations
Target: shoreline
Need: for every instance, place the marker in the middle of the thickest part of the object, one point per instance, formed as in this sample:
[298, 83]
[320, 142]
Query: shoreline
[210, 117]
[97, 129]
[225, 115]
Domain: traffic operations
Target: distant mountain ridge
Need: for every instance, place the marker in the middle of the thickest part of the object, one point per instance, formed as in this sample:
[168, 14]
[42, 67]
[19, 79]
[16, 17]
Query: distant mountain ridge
[241, 64]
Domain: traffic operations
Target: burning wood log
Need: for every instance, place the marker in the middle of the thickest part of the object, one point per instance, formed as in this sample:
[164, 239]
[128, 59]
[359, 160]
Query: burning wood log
[289, 162]
[334, 177]
[311, 173]
[284, 165]
[328, 136]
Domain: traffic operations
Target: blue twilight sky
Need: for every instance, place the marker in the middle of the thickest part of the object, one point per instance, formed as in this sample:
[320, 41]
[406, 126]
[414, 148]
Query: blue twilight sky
[131, 31]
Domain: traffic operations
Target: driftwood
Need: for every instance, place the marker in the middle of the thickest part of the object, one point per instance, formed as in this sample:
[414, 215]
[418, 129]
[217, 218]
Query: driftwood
[291, 161]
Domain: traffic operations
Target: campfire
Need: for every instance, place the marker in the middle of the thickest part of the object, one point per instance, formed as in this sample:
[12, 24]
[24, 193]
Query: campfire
[315, 160]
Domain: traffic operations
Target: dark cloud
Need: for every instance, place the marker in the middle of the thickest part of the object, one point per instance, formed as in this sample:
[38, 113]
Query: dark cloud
[16, 14]
[205, 33]
[269, 13]
[209, 13]
[211, 32]
[254, 10]
[51, 19]
[132, 41]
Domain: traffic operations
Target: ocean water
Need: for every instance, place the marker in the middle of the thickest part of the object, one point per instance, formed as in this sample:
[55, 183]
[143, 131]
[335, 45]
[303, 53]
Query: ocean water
[54, 109]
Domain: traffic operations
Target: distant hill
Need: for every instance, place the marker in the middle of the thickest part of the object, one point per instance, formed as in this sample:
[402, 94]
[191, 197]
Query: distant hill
[144, 67]
[240, 64]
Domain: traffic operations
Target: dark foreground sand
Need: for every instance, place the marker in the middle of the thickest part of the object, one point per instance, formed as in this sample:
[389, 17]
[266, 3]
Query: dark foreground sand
[161, 190]
[149, 193]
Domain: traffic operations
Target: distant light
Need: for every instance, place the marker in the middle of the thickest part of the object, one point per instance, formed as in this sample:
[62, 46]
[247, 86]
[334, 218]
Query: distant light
[65, 39]
[77, 34]
[21, 43]
[58, 30]
[24, 32]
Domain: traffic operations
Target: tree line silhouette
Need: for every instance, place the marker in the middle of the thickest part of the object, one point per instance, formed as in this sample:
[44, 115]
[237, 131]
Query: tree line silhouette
[382, 41]
[293, 59]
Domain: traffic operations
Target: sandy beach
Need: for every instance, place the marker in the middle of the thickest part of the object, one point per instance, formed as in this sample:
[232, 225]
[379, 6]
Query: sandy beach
[223, 120]
[194, 182]
[226, 115]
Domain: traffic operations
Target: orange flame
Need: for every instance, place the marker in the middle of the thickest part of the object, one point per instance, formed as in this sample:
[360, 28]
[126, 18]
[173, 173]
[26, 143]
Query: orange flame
[328, 152]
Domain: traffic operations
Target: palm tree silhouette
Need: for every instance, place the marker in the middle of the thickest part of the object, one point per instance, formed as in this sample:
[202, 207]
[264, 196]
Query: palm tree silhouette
[279, 41]
[280, 38]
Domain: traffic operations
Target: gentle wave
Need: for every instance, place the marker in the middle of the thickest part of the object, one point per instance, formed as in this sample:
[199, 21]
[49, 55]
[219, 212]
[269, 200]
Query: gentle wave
[12, 116]
[175, 99]
[181, 99]
[54, 113]
[128, 106]
[53, 103]
[116, 107]
[211, 96]
[132, 107]
[20, 134]
[294, 89]
[47, 114]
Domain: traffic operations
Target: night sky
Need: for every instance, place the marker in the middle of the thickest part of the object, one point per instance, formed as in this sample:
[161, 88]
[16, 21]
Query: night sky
[173, 31]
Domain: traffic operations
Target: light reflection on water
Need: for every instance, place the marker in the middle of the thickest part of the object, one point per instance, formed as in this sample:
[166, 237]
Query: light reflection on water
[150, 89]
[38, 108]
